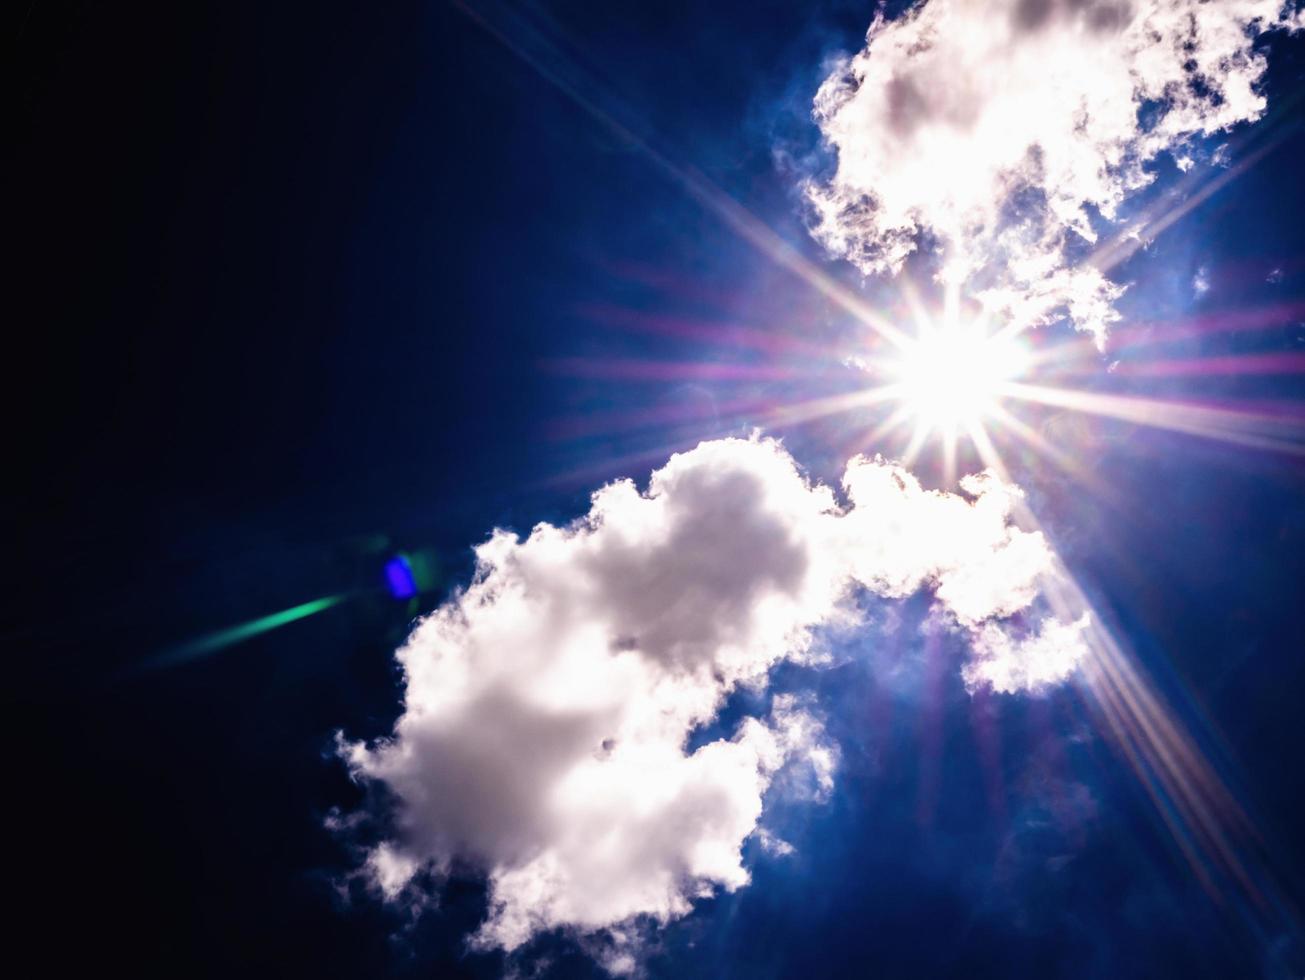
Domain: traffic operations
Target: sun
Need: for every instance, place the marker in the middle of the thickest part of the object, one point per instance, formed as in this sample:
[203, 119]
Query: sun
[950, 377]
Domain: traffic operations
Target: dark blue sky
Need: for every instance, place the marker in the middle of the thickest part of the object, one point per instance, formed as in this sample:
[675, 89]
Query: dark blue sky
[300, 286]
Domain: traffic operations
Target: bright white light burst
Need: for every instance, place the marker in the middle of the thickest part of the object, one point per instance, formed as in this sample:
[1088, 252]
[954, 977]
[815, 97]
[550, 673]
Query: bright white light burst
[951, 377]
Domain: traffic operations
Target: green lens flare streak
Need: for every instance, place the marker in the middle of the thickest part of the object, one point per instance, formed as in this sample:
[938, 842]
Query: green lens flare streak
[223, 638]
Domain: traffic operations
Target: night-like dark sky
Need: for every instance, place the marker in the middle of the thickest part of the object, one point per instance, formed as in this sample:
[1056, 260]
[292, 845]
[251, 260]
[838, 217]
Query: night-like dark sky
[302, 287]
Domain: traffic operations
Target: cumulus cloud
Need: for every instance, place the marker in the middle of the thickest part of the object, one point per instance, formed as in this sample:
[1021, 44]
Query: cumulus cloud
[998, 130]
[551, 706]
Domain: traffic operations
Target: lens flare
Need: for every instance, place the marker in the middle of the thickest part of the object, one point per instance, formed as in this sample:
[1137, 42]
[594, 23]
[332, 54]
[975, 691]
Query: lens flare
[952, 377]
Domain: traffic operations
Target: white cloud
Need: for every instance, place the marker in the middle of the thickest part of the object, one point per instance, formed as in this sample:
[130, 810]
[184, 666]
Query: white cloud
[549, 706]
[898, 537]
[994, 128]
[390, 869]
[1009, 663]
[774, 846]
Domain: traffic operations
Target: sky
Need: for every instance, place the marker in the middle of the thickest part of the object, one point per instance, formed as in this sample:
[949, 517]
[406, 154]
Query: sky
[842, 465]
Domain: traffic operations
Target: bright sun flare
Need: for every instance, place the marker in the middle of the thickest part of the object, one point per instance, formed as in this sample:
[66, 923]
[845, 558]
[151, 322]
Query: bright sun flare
[952, 376]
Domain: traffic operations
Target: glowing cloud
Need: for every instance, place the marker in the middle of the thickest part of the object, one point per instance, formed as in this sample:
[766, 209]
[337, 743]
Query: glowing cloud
[1004, 131]
[549, 706]
[1009, 663]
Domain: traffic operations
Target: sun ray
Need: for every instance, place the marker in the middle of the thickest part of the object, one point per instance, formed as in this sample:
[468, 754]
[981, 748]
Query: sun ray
[918, 436]
[987, 451]
[1080, 355]
[920, 315]
[645, 369]
[797, 412]
[948, 454]
[1144, 230]
[1270, 363]
[887, 427]
[1009, 422]
[555, 67]
[1284, 433]
[1212, 831]
[728, 334]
